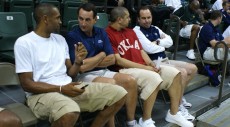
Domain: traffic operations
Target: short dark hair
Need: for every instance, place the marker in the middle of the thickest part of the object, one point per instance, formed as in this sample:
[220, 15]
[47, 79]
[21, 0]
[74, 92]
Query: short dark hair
[143, 8]
[42, 9]
[215, 14]
[117, 12]
[88, 7]
[225, 3]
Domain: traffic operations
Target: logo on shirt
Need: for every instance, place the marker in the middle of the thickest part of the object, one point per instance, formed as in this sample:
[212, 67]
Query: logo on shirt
[125, 45]
[99, 41]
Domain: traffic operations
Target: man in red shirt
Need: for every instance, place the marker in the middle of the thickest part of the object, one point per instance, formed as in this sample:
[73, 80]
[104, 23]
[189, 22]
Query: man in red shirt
[132, 59]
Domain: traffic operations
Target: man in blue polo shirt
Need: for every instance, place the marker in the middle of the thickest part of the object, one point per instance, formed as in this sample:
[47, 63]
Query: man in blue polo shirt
[100, 56]
[210, 35]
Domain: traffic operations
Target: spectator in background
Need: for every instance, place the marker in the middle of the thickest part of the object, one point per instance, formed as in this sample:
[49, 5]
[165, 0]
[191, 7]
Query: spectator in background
[226, 14]
[9, 119]
[205, 7]
[100, 56]
[174, 4]
[45, 73]
[160, 13]
[210, 35]
[218, 5]
[191, 18]
[154, 41]
[116, 2]
[132, 59]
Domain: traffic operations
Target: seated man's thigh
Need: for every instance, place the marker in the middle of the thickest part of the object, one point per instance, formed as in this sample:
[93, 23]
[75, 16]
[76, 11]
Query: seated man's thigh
[168, 74]
[99, 95]
[147, 81]
[51, 105]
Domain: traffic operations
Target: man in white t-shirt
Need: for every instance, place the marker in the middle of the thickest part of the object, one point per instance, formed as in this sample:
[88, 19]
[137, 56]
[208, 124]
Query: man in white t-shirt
[218, 5]
[45, 72]
[9, 119]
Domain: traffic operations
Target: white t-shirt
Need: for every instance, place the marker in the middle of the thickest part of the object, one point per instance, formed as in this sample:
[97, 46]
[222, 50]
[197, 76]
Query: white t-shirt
[173, 3]
[45, 57]
[227, 32]
[217, 5]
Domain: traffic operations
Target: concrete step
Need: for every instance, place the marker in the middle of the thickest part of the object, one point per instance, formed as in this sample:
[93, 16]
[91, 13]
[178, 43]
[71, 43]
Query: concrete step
[216, 117]
[197, 82]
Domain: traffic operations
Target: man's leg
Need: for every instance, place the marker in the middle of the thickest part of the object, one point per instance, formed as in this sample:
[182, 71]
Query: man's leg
[175, 94]
[194, 32]
[148, 105]
[9, 119]
[67, 120]
[129, 84]
[108, 113]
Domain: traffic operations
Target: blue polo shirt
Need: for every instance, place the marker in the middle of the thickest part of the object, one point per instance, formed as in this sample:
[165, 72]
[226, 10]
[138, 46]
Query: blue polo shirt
[94, 45]
[153, 34]
[208, 33]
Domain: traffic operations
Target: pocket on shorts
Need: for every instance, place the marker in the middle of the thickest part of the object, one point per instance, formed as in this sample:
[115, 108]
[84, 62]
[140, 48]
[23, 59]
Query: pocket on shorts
[39, 106]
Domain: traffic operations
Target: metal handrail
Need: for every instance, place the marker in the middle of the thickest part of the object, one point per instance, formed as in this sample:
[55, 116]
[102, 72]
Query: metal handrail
[224, 66]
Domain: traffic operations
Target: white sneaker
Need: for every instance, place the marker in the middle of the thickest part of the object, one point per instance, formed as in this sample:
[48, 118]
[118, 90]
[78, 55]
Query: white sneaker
[178, 119]
[185, 103]
[134, 124]
[190, 54]
[146, 123]
[185, 113]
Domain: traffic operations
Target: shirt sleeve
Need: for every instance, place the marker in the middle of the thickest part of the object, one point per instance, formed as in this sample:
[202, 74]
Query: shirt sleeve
[107, 46]
[147, 45]
[71, 48]
[166, 41]
[22, 57]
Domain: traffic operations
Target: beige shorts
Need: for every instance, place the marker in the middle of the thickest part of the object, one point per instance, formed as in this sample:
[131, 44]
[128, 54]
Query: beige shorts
[1, 109]
[54, 105]
[168, 74]
[147, 81]
[90, 76]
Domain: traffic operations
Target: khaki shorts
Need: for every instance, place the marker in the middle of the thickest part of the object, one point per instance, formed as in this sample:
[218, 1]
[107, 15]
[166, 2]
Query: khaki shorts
[90, 76]
[147, 81]
[1, 109]
[96, 97]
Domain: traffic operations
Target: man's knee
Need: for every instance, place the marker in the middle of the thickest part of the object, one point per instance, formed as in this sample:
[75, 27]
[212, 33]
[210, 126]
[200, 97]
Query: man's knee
[8, 118]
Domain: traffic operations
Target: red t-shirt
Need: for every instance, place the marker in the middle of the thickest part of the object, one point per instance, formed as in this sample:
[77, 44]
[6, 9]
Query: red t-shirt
[126, 43]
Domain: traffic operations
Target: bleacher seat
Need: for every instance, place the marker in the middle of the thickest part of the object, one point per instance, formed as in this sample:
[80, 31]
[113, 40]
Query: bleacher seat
[12, 25]
[25, 6]
[71, 24]
[1, 6]
[53, 2]
[102, 20]
[70, 10]
[101, 5]
[9, 78]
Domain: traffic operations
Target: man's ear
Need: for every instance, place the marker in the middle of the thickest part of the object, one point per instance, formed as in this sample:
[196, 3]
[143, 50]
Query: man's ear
[45, 19]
